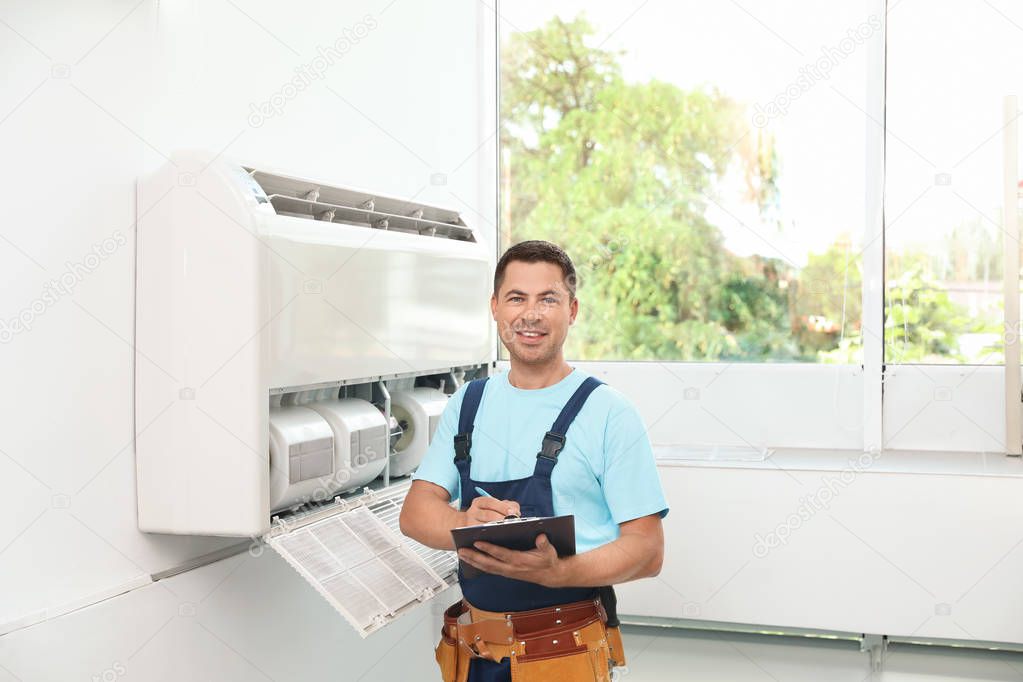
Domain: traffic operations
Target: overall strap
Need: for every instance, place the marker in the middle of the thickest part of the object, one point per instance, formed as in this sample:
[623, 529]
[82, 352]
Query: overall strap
[554, 440]
[466, 418]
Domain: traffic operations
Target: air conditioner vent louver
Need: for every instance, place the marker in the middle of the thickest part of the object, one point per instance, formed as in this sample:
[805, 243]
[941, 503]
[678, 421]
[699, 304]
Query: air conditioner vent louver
[302, 199]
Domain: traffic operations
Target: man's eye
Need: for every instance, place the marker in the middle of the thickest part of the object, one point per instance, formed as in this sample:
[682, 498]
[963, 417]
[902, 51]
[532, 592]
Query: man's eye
[550, 299]
[515, 298]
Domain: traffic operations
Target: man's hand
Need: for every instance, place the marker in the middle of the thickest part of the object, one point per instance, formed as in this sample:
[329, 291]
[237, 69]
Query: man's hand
[540, 565]
[485, 509]
[428, 517]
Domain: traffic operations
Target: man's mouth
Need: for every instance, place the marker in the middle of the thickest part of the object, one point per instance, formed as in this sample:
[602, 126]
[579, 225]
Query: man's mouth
[530, 335]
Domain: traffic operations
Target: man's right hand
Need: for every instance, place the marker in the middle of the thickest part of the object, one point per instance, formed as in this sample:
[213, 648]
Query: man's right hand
[485, 509]
[428, 517]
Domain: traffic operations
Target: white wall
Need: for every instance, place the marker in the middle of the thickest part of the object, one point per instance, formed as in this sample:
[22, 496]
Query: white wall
[96, 93]
[241, 619]
[899, 554]
[897, 543]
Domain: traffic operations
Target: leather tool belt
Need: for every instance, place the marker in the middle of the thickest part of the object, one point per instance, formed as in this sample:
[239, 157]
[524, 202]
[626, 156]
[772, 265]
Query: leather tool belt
[568, 642]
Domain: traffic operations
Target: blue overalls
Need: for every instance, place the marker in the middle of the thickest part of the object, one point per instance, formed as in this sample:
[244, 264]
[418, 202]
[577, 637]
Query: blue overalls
[498, 593]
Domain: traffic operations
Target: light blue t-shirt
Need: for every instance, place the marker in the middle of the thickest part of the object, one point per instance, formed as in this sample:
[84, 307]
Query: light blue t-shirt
[605, 474]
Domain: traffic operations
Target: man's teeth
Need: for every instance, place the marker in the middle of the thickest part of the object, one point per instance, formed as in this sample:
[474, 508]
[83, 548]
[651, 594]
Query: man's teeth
[530, 334]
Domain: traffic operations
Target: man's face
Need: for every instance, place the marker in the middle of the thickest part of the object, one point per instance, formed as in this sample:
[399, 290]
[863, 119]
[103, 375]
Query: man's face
[533, 311]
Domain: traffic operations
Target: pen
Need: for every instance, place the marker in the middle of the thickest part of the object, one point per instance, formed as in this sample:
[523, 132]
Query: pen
[484, 493]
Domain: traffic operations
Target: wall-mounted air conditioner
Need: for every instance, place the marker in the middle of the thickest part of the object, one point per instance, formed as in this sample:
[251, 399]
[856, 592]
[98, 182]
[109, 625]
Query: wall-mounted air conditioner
[296, 343]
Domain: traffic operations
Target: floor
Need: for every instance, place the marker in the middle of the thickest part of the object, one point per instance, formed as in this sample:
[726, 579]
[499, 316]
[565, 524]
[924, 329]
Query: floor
[673, 654]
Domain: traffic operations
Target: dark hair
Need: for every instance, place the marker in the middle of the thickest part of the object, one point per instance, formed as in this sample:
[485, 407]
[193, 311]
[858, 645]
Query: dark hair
[537, 251]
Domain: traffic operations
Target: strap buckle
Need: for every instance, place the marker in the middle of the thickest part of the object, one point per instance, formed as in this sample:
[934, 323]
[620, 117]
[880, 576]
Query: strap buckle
[463, 444]
[551, 446]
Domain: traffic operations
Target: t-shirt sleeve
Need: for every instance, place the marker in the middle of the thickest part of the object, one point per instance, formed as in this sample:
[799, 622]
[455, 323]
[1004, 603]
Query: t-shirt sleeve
[438, 465]
[631, 484]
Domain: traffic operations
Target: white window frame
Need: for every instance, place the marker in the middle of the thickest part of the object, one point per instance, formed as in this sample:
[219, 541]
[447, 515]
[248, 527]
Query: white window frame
[957, 408]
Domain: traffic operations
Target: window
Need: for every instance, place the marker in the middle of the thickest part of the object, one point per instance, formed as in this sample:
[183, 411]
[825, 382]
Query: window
[703, 164]
[713, 169]
[950, 64]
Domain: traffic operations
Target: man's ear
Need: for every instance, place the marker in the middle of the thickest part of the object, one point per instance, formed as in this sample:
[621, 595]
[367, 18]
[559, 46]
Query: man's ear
[493, 306]
[573, 309]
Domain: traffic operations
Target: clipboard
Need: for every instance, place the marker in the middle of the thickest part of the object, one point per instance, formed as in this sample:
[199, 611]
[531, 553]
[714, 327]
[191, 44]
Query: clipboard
[517, 533]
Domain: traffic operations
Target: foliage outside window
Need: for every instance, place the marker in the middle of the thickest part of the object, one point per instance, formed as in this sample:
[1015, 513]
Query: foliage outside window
[643, 180]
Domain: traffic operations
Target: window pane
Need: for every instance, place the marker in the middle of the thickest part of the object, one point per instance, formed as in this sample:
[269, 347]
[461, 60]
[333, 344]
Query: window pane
[950, 62]
[701, 162]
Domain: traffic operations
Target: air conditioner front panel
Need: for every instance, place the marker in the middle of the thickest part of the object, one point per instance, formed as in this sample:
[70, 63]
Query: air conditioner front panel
[357, 302]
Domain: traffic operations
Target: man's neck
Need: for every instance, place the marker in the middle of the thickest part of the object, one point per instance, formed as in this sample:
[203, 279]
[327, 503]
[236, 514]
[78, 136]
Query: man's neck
[530, 377]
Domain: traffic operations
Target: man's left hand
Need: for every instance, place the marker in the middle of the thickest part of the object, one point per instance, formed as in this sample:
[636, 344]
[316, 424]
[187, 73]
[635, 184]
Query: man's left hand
[541, 565]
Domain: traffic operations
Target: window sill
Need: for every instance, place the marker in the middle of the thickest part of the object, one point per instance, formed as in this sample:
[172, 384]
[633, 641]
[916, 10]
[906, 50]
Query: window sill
[889, 462]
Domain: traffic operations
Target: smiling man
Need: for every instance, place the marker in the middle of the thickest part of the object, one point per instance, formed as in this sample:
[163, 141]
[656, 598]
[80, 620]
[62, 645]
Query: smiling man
[541, 439]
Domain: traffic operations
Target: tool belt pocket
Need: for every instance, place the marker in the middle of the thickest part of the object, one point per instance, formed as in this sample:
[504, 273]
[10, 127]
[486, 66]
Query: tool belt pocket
[446, 654]
[577, 663]
[614, 642]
